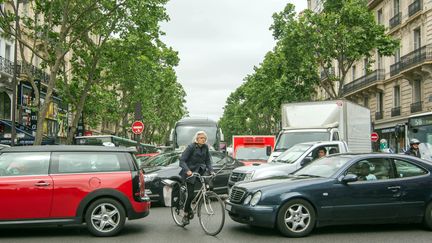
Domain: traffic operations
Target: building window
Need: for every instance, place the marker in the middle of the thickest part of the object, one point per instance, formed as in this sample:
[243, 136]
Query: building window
[5, 106]
[365, 65]
[353, 72]
[417, 91]
[396, 7]
[366, 101]
[417, 39]
[8, 52]
[396, 95]
[380, 61]
[380, 16]
[397, 55]
[380, 105]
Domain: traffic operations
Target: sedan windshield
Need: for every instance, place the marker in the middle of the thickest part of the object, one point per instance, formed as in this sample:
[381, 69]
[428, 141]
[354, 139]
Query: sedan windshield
[325, 167]
[292, 154]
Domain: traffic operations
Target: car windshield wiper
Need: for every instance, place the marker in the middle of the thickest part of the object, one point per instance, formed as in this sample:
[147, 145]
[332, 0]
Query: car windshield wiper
[308, 175]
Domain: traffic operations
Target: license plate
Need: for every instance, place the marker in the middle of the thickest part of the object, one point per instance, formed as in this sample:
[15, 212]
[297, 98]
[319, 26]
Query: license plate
[228, 207]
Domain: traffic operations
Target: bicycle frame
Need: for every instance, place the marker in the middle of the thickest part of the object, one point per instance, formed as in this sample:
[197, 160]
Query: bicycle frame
[201, 192]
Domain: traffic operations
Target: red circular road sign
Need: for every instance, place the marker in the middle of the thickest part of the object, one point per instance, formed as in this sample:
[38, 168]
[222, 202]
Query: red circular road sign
[374, 137]
[137, 127]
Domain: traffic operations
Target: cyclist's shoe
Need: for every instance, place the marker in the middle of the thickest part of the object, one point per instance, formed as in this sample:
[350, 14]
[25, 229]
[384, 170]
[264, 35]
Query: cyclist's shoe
[185, 220]
[190, 216]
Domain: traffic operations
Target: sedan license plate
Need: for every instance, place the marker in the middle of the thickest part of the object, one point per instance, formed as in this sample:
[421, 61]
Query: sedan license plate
[228, 207]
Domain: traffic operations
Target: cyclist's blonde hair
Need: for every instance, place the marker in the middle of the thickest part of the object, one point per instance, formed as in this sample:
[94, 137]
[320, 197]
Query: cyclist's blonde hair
[195, 138]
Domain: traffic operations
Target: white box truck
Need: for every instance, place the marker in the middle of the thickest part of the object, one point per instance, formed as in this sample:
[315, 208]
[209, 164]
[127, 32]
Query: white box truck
[332, 120]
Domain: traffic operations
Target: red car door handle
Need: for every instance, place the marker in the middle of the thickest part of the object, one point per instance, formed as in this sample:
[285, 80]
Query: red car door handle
[42, 183]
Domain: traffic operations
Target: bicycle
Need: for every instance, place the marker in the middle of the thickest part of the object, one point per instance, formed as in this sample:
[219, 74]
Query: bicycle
[207, 204]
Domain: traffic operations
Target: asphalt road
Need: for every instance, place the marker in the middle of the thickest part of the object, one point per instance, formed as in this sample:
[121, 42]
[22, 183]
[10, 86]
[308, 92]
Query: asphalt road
[159, 227]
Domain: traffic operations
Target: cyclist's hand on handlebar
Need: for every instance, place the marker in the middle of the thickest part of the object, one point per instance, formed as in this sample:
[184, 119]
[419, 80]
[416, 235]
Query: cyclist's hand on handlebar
[213, 173]
[189, 173]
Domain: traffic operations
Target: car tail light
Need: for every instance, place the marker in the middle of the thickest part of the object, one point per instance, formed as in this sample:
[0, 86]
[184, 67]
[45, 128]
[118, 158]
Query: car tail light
[138, 185]
[141, 184]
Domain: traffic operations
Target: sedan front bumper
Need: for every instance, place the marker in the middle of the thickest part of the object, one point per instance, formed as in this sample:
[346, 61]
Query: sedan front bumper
[264, 216]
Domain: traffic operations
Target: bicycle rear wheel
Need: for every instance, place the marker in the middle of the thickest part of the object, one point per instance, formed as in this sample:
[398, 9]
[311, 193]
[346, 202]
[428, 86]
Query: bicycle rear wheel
[177, 215]
[211, 213]
[177, 210]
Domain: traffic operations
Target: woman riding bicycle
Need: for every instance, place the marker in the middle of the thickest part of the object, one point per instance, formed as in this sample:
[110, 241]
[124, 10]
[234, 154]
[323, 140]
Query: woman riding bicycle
[195, 158]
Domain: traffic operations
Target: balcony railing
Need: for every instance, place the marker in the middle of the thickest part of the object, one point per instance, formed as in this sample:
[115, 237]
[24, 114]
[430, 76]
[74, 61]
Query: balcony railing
[396, 111]
[416, 107]
[414, 7]
[396, 20]
[37, 73]
[6, 66]
[378, 115]
[324, 73]
[411, 59]
[364, 81]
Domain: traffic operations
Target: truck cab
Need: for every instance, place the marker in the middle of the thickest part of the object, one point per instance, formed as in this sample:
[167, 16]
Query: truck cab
[253, 149]
[330, 120]
[289, 161]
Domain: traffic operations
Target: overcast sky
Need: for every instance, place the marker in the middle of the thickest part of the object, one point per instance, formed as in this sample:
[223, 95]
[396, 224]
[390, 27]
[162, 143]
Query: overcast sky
[219, 42]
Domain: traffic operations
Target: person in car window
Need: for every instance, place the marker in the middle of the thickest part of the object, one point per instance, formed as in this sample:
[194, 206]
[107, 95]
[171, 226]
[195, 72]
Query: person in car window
[322, 152]
[364, 173]
[195, 158]
[414, 148]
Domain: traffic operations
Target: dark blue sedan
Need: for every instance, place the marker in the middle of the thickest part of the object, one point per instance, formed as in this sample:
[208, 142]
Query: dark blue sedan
[339, 189]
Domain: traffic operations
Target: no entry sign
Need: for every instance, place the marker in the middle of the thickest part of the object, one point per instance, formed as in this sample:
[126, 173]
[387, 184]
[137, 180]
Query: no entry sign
[374, 137]
[137, 127]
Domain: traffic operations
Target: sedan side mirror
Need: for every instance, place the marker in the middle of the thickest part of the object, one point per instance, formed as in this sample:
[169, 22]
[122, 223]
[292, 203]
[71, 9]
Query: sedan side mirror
[349, 178]
[306, 161]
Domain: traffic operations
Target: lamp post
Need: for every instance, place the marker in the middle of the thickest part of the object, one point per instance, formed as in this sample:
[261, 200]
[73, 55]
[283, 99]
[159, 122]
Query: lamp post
[14, 77]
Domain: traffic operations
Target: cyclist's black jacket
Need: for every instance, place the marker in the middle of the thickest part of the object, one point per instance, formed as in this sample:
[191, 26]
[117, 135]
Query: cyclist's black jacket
[196, 159]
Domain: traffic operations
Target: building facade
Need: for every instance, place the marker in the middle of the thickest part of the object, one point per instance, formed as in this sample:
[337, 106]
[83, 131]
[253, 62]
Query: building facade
[398, 88]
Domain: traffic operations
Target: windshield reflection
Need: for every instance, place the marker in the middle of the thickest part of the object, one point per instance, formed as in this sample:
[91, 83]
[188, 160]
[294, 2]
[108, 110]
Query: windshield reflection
[292, 154]
[324, 167]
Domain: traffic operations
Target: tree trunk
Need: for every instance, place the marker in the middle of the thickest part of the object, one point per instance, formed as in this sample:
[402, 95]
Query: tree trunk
[77, 115]
[44, 108]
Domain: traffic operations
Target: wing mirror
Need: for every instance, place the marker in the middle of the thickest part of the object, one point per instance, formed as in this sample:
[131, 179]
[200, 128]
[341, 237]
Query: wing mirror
[268, 150]
[349, 178]
[306, 161]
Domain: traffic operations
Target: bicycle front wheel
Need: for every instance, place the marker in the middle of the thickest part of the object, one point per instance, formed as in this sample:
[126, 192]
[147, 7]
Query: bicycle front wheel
[211, 213]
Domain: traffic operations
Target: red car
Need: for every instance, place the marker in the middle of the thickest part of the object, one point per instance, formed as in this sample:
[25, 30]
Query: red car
[96, 185]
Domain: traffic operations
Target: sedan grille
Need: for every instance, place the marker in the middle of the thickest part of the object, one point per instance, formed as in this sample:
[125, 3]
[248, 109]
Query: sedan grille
[235, 176]
[236, 195]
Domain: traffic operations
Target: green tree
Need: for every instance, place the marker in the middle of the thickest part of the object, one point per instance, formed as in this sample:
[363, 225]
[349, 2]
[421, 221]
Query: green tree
[343, 33]
[50, 30]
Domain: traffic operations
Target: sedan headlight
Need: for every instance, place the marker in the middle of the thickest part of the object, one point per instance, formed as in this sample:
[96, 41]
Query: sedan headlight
[247, 200]
[249, 176]
[255, 198]
[150, 177]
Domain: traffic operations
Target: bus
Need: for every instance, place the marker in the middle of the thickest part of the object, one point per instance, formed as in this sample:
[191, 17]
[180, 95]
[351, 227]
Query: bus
[111, 140]
[185, 129]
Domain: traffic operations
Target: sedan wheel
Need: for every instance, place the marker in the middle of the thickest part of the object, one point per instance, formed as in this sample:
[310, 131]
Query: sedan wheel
[427, 221]
[105, 217]
[296, 218]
